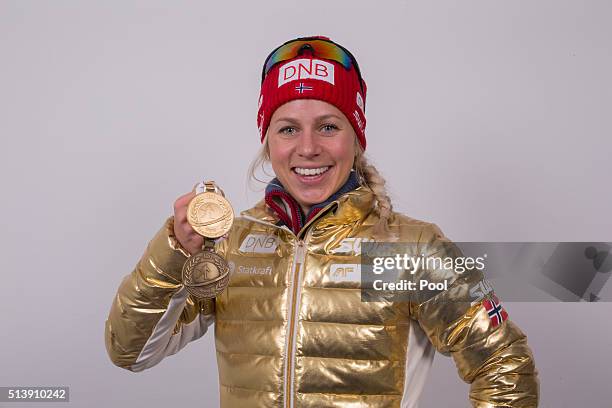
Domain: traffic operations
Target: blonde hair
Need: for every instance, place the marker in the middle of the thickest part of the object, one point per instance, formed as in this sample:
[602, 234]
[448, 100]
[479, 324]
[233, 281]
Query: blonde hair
[368, 175]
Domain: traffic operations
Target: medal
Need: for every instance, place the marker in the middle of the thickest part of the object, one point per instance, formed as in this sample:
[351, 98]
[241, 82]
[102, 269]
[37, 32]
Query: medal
[209, 213]
[206, 274]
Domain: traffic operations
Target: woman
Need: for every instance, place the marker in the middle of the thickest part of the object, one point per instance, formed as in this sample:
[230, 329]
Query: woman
[291, 329]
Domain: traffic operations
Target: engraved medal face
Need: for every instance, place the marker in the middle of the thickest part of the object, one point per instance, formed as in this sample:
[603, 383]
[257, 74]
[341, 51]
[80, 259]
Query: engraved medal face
[205, 274]
[210, 214]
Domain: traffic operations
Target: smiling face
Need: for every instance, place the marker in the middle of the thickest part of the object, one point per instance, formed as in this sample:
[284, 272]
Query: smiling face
[312, 148]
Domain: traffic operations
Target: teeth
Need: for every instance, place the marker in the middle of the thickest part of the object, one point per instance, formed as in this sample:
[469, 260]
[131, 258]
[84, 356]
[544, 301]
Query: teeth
[310, 172]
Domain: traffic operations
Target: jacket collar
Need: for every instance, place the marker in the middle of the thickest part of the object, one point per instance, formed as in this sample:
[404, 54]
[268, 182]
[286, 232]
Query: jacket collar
[288, 209]
[350, 206]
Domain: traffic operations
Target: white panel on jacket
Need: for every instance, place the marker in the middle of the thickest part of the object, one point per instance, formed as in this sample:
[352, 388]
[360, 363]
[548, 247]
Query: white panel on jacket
[162, 342]
[419, 358]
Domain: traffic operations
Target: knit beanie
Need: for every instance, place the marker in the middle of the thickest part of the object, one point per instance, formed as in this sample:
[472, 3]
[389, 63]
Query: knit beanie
[308, 77]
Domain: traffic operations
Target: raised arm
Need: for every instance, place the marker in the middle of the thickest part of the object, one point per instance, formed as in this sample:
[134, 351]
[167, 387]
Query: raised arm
[152, 316]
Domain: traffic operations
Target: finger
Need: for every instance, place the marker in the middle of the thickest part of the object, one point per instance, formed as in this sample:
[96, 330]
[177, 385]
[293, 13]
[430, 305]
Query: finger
[191, 233]
[181, 203]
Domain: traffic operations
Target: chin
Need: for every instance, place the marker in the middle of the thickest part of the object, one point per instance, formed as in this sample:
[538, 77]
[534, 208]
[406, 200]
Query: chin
[314, 199]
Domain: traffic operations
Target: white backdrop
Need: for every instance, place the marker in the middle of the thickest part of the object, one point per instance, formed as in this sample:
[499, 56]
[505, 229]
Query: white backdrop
[489, 118]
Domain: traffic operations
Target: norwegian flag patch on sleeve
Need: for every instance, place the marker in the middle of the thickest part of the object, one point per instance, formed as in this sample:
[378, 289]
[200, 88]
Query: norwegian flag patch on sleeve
[497, 314]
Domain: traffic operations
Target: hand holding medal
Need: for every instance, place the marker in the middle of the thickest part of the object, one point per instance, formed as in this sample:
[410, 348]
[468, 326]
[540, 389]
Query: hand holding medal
[206, 273]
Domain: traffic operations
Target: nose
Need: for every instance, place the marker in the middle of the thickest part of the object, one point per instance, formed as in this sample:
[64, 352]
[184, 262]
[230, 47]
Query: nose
[308, 145]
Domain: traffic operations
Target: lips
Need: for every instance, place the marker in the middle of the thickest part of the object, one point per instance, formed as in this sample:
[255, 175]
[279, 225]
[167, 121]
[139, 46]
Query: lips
[310, 175]
[310, 171]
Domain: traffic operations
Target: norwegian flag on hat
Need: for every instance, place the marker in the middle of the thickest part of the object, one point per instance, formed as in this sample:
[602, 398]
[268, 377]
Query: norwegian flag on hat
[497, 314]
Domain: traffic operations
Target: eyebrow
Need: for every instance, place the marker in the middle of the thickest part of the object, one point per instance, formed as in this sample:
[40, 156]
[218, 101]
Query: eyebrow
[318, 118]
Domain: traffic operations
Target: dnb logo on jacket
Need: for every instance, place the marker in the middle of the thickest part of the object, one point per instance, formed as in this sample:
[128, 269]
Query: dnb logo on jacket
[259, 244]
[306, 68]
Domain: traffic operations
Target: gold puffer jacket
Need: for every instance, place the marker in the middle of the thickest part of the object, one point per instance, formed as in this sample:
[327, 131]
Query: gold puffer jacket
[291, 331]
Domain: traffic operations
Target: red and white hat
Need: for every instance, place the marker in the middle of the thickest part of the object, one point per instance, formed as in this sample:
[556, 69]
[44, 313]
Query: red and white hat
[307, 77]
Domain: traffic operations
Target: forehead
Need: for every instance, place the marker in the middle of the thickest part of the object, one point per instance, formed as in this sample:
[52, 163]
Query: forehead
[306, 109]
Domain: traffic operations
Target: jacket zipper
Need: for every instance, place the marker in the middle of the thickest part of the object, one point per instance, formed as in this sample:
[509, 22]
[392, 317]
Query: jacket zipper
[298, 262]
[295, 293]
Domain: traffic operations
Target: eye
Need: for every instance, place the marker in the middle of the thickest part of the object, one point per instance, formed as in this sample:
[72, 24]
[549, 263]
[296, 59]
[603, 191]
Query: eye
[288, 130]
[329, 127]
